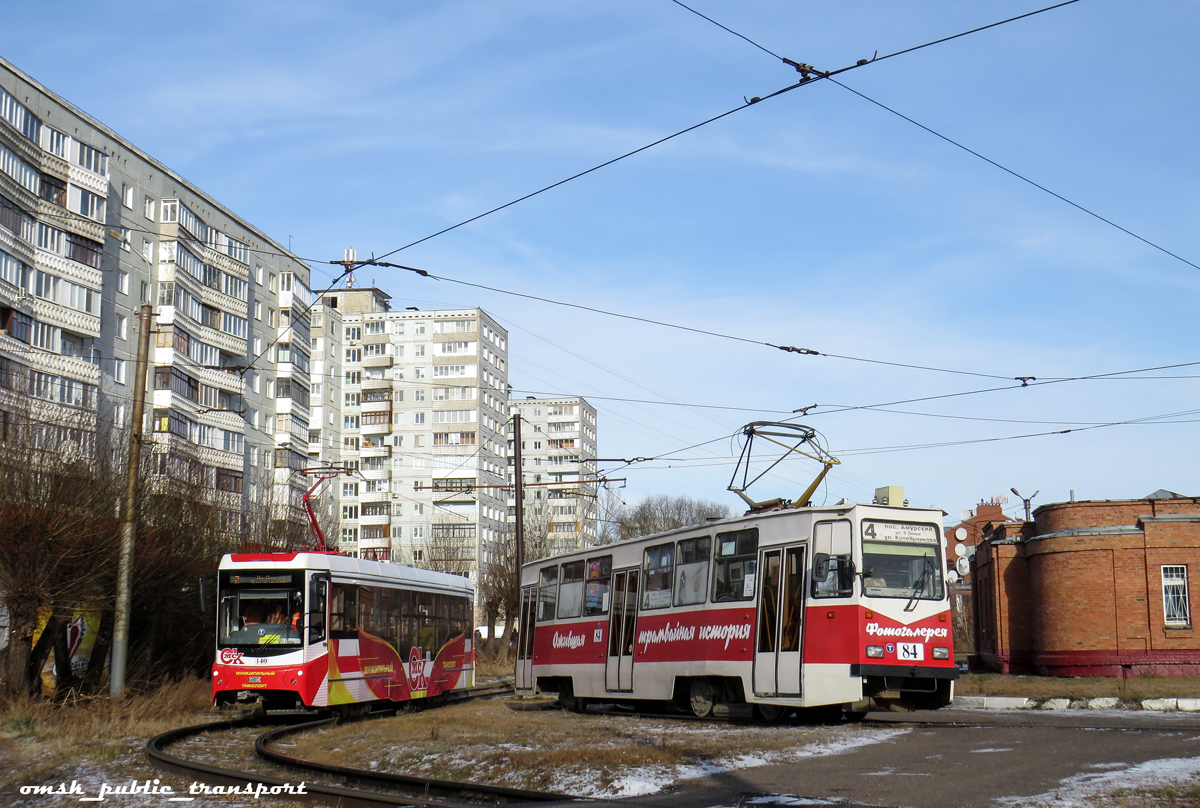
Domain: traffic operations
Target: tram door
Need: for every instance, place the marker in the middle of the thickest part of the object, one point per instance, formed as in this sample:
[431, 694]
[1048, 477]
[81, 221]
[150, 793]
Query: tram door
[524, 673]
[622, 619]
[779, 626]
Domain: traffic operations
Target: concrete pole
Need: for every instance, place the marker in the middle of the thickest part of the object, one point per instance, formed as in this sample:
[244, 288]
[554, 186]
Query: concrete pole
[128, 528]
[519, 495]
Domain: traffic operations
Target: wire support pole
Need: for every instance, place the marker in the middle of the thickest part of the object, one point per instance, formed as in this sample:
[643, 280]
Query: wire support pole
[128, 528]
[519, 495]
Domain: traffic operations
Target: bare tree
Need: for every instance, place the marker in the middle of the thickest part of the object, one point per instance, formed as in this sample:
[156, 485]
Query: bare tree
[500, 582]
[610, 510]
[656, 514]
[450, 549]
[60, 489]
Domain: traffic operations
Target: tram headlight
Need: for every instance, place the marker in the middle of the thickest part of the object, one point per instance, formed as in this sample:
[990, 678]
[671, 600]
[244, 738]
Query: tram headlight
[874, 652]
[940, 652]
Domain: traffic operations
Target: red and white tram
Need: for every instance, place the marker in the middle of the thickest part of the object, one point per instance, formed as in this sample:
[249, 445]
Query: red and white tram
[841, 607]
[317, 630]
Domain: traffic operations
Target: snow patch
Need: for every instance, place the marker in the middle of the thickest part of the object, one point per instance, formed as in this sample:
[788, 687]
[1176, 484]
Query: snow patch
[1075, 791]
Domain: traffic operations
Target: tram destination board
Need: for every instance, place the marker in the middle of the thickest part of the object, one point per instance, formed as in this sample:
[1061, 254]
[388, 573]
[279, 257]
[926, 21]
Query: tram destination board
[900, 532]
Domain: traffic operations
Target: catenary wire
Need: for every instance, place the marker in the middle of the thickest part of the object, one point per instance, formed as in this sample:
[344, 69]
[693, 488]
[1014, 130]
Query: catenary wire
[949, 140]
[809, 75]
[650, 321]
[1019, 176]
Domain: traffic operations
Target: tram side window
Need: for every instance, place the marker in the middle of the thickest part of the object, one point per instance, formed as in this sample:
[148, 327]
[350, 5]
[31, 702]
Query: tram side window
[735, 565]
[691, 571]
[408, 622]
[596, 594]
[570, 589]
[343, 612]
[547, 593]
[369, 617]
[833, 569]
[659, 565]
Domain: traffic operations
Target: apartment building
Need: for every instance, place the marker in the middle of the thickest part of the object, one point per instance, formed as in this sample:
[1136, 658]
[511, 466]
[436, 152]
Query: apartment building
[91, 228]
[558, 466]
[423, 401]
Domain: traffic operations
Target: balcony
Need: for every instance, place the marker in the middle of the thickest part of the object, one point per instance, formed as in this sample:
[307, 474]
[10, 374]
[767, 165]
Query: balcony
[377, 406]
[374, 447]
[384, 361]
[379, 519]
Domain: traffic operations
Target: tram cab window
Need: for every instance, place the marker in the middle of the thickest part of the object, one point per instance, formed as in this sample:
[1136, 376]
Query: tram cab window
[659, 565]
[547, 593]
[735, 565]
[251, 613]
[570, 589]
[691, 571]
[833, 568]
[901, 561]
[596, 594]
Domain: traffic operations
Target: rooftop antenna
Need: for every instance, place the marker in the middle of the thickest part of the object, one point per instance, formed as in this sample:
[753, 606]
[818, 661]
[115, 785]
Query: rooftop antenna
[351, 258]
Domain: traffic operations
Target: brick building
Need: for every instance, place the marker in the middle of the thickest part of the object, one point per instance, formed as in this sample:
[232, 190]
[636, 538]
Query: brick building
[1090, 589]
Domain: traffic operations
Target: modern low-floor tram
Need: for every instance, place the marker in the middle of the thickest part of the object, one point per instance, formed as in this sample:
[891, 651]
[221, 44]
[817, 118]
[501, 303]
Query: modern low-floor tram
[314, 630]
[841, 607]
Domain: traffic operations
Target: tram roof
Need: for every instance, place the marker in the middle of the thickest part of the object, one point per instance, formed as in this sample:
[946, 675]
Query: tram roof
[732, 522]
[349, 567]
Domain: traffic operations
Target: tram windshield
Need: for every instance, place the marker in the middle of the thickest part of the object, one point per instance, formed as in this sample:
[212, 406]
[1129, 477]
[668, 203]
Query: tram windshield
[895, 570]
[260, 609]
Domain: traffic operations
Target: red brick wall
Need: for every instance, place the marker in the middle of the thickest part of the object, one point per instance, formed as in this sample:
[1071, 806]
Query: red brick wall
[1089, 604]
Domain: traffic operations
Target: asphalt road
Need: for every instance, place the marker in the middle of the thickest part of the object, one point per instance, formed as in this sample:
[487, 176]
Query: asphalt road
[955, 758]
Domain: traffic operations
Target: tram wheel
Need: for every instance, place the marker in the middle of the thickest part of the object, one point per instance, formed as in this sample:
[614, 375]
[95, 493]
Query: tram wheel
[854, 717]
[568, 699]
[770, 712]
[702, 698]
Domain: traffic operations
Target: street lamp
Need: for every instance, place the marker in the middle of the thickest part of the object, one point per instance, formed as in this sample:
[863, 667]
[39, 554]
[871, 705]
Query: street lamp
[1026, 500]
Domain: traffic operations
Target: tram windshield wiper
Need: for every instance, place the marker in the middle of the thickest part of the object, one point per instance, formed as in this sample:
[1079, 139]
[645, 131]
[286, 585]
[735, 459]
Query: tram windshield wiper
[920, 585]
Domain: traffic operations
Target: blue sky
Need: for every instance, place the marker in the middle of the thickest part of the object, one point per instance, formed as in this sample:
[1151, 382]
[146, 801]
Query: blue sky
[814, 219]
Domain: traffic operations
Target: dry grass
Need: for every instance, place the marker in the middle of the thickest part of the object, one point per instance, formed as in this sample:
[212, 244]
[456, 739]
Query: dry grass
[487, 670]
[1179, 795]
[487, 742]
[37, 737]
[1091, 687]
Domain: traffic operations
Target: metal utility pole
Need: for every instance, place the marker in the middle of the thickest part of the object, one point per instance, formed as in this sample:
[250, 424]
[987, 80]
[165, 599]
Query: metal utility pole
[128, 528]
[519, 492]
[1026, 500]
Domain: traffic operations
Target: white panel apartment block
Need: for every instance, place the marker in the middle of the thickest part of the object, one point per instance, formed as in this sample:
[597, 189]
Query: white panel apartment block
[91, 228]
[423, 404]
[558, 456]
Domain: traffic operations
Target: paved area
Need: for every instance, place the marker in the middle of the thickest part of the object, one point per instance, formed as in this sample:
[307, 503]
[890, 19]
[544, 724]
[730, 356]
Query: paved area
[955, 758]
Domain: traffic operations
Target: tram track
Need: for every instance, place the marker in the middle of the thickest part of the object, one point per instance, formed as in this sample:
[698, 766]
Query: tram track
[339, 785]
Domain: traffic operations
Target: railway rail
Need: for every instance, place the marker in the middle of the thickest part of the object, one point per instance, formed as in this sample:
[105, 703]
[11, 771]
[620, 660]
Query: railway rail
[330, 783]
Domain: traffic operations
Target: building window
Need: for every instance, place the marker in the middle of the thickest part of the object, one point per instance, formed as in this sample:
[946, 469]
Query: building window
[229, 481]
[119, 371]
[123, 282]
[149, 211]
[122, 326]
[127, 196]
[1176, 608]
